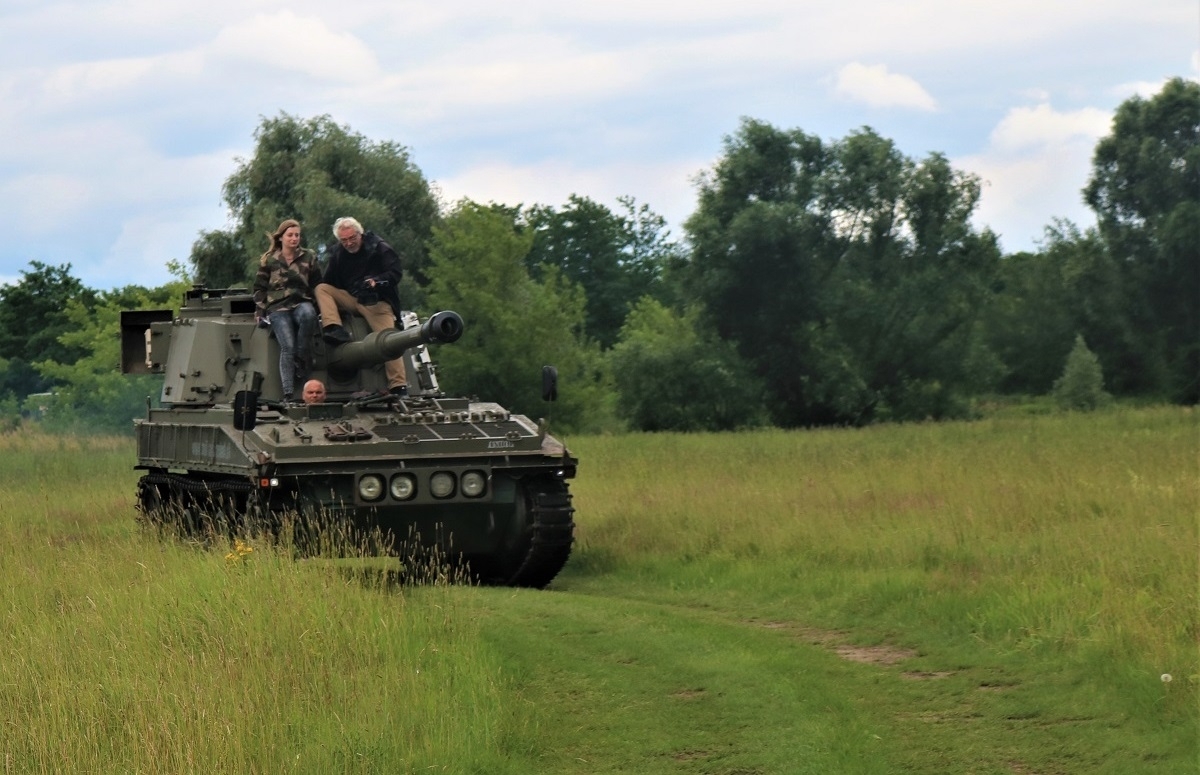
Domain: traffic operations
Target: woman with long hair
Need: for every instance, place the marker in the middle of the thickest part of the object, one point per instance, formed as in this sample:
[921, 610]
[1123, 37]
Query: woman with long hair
[283, 297]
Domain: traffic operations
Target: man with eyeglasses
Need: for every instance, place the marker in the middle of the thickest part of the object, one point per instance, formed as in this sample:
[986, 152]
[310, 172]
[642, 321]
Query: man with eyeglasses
[362, 276]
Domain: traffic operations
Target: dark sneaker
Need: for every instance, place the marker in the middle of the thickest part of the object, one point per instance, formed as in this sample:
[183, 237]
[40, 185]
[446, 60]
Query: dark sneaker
[400, 390]
[336, 335]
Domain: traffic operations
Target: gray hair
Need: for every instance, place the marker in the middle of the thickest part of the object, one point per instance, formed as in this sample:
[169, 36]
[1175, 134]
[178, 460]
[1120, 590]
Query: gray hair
[342, 223]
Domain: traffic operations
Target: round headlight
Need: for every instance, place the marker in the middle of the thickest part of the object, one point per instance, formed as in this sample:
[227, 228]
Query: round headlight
[473, 483]
[403, 487]
[370, 487]
[441, 484]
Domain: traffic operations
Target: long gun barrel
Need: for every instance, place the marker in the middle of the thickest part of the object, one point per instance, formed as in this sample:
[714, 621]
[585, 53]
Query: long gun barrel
[441, 328]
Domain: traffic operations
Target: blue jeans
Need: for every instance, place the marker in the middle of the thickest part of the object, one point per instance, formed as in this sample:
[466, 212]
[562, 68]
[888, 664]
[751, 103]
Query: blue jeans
[293, 330]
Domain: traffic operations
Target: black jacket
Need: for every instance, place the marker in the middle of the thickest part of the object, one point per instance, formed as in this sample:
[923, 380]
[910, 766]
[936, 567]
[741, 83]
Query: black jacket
[376, 260]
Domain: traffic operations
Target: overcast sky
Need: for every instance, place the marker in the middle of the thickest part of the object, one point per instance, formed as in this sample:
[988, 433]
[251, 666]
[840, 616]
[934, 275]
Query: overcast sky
[122, 118]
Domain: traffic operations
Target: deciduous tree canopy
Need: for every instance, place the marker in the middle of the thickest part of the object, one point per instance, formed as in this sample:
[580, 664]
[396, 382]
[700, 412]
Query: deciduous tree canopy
[673, 375]
[822, 282]
[317, 171]
[615, 257]
[514, 324]
[33, 320]
[1145, 189]
[849, 275]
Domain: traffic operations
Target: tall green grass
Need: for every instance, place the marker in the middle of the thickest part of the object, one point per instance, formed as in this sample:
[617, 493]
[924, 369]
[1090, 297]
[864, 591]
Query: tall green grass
[1072, 537]
[1030, 578]
[120, 652]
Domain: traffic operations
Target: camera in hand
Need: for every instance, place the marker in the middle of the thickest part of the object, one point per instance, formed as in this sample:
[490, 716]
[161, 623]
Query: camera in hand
[365, 293]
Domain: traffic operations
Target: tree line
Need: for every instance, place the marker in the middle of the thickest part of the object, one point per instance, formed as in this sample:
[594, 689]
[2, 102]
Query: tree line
[817, 282]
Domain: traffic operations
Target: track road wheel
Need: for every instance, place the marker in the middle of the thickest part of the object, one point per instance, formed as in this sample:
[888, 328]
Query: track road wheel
[539, 542]
[151, 502]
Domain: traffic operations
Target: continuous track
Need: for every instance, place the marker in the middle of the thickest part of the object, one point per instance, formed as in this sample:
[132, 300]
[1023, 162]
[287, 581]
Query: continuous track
[551, 533]
[533, 558]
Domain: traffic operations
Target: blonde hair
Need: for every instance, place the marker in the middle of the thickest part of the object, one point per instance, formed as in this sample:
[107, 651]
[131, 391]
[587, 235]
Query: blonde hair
[276, 239]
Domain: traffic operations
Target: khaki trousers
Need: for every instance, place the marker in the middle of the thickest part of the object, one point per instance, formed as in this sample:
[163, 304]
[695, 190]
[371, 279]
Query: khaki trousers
[331, 301]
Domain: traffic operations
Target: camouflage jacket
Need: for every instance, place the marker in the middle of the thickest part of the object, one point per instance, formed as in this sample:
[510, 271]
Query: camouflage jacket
[279, 287]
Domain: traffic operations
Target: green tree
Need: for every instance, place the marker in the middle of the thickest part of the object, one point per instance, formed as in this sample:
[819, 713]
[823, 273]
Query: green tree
[847, 274]
[18, 378]
[32, 321]
[671, 376]
[219, 260]
[513, 324]
[317, 171]
[1043, 299]
[10, 411]
[1145, 190]
[615, 257]
[1081, 385]
[1028, 323]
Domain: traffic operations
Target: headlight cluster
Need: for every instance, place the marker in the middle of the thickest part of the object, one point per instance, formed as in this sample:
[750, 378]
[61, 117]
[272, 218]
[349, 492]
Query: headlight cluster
[442, 485]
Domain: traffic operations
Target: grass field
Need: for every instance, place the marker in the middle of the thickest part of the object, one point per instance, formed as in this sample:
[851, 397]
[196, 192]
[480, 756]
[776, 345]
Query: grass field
[1001, 596]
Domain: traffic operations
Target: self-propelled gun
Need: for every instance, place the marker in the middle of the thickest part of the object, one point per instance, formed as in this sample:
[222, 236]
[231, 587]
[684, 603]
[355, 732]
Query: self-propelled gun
[480, 484]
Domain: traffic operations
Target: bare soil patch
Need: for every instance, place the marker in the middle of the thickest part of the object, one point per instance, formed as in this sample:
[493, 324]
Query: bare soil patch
[836, 641]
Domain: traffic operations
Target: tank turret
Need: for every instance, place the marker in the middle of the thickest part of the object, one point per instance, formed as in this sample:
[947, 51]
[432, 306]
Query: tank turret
[479, 484]
[213, 350]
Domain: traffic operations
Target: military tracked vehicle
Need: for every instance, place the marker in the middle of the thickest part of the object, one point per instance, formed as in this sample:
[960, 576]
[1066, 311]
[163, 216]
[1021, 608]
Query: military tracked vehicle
[469, 479]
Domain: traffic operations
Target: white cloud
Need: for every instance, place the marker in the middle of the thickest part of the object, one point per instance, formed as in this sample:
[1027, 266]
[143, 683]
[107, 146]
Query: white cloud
[104, 201]
[1022, 196]
[1147, 89]
[146, 241]
[1042, 126]
[875, 86]
[516, 78]
[78, 88]
[304, 45]
[118, 136]
[665, 186]
[1034, 169]
[156, 219]
[1140, 88]
[84, 79]
[42, 203]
